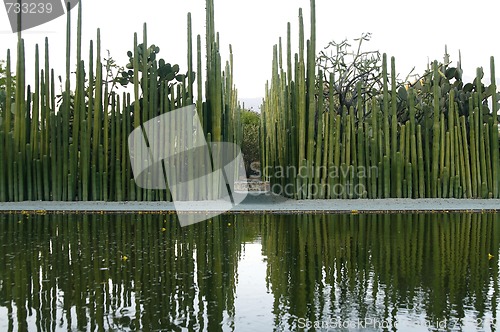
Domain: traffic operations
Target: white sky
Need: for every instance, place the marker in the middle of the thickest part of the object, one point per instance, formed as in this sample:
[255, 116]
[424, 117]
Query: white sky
[410, 31]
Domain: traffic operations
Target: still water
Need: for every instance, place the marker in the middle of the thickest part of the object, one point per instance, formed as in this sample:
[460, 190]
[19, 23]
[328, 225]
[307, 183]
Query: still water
[249, 272]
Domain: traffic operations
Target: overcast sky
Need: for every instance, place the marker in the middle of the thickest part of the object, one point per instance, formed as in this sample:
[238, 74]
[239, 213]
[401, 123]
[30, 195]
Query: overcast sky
[412, 31]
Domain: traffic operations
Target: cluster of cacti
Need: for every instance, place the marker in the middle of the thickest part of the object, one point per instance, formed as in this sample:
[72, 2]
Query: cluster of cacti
[371, 150]
[77, 149]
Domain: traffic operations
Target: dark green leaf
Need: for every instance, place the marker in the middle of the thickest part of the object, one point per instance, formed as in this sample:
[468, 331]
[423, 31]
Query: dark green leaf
[458, 85]
[450, 72]
[468, 87]
[402, 93]
[162, 73]
[445, 88]
[485, 109]
[170, 76]
[488, 92]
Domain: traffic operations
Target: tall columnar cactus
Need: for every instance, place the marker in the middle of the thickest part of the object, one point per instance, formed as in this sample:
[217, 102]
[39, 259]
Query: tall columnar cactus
[494, 134]
[75, 147]
[436, 140]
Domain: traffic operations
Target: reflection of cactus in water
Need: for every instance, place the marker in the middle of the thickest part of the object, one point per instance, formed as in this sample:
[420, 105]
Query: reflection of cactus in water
[365, 266]
[146, 274]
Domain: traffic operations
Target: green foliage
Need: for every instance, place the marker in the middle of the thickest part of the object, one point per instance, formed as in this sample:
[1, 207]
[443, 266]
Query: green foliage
[248, 117]
[450, 80]
[250, 147]
[3, 85]
[165, 72]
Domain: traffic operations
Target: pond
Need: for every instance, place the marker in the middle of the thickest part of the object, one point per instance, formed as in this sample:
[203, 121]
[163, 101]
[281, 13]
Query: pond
[409, 272]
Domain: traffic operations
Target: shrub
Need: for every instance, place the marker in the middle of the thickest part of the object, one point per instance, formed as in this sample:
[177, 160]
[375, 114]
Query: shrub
[250, 141]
